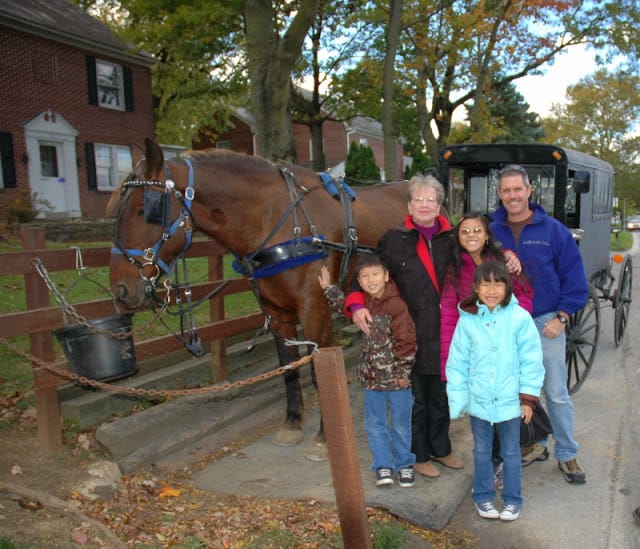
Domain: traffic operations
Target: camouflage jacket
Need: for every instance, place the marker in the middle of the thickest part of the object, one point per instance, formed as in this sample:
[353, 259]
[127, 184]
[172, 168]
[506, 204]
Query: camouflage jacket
[388, 352]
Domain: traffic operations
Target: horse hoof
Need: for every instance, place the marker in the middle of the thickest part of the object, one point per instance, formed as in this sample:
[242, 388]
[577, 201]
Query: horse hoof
[288, 437]
[317, 451]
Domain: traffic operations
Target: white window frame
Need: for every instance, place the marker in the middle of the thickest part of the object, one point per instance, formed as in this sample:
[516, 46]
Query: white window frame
[113, 163]
[110, 79]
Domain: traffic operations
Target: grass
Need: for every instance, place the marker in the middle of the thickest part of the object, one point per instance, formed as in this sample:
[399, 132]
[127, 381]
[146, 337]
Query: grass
[91, 284]
[621, 241]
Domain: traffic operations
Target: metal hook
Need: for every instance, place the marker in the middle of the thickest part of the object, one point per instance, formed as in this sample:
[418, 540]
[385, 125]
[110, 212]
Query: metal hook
[79, 262]
[295, 343]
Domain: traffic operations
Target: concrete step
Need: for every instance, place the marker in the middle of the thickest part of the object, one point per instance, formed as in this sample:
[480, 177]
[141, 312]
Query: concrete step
[177, 431]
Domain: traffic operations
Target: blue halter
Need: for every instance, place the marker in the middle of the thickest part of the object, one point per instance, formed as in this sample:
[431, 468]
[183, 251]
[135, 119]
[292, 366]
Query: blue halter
[151, 255]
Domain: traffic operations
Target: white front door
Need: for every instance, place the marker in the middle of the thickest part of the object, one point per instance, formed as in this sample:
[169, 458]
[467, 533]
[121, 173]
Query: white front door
[53, 173]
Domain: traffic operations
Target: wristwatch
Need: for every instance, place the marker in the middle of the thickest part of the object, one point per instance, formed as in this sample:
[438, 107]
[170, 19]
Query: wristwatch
[562, 318]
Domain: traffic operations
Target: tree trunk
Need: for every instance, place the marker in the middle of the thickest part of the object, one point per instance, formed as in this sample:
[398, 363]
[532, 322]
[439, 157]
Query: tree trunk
[388, 124]
[271, 58]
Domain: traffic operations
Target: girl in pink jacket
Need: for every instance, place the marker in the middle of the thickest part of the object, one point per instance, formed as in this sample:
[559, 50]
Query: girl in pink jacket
[474, 244]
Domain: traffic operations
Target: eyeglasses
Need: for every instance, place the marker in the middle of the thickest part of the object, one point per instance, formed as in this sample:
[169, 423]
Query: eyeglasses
[420, 200]
[475, 230]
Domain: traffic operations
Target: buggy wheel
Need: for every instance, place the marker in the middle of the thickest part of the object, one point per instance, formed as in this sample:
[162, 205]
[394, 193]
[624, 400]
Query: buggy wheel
[583, 332]
[623, 301]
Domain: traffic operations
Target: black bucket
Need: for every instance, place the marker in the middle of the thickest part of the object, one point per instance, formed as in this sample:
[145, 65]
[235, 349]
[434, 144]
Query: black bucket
[96, 355]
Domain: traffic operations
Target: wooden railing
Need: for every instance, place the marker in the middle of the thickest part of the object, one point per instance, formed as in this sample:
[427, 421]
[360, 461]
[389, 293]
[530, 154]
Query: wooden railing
[40, 319]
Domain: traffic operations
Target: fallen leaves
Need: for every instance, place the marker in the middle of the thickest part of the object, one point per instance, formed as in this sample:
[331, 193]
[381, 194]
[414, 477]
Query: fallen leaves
[168, 492]
[30, 504]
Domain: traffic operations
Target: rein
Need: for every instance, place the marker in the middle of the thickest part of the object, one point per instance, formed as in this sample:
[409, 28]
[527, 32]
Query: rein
[158, 211]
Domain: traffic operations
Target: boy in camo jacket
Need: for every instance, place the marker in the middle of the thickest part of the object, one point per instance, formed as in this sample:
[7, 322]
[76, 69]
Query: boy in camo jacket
[384, 368]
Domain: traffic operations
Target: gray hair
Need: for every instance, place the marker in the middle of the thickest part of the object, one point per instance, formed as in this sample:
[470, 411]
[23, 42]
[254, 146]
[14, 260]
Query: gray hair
[419, 182]
[513, 169]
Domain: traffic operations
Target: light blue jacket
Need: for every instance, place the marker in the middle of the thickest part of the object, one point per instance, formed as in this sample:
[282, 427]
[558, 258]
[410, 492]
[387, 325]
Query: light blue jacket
[493, 359]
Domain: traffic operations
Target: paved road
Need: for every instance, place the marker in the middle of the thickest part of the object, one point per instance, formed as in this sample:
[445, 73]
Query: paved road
[596, 515]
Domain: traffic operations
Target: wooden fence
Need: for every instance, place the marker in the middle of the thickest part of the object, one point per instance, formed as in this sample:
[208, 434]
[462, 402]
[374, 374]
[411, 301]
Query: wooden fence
[40, 319]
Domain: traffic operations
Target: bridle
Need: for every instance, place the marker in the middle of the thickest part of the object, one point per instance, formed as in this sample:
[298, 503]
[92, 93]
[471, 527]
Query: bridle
[157, 210]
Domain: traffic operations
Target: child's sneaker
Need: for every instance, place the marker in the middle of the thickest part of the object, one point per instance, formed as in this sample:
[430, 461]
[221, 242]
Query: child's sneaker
[406, 477]
[487, 510]
[384, 477]
[510, 512]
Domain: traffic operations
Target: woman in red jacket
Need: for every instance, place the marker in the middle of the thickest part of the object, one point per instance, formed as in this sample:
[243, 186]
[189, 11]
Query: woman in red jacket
[417, 254]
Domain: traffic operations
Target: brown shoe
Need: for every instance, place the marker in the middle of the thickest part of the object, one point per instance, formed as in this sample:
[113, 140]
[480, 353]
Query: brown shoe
[452, 461]
[426, 469]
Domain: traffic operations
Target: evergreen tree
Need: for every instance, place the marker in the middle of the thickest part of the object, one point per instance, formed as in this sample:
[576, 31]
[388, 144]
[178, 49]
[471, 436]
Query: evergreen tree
[361, 167]
[421, 162]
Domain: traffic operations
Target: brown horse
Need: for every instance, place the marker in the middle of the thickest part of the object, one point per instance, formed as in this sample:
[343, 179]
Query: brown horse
[248, 205]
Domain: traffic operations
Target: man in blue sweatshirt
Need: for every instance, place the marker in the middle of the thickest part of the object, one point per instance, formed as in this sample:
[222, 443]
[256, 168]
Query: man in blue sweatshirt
[551, 259]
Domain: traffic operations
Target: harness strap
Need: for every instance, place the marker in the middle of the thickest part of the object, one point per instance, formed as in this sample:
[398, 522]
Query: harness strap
[350, 233]
[292, 183]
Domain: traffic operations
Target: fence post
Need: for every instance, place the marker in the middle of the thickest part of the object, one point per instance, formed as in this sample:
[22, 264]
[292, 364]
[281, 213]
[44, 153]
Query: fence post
[333, 393]
[45, 385]
[219, 370]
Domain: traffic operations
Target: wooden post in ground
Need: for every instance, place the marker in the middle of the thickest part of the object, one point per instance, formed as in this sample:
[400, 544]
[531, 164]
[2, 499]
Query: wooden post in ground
[219, 370]
[333, 393]
[45, 385]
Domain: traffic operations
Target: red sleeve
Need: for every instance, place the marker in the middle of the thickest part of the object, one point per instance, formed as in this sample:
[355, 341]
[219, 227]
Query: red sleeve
[523, 290]
[449, 315]
[356, 299]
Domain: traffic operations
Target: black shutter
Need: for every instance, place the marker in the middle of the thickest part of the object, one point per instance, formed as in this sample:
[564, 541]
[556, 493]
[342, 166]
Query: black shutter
[92, 80]
[90, 159]
[8, 164]
[128, 88]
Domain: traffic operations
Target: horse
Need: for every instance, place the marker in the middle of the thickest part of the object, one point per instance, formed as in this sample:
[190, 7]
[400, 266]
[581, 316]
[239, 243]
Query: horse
[267, 215]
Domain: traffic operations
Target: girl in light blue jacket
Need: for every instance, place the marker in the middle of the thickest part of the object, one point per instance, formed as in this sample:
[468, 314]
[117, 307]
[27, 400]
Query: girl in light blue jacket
[495, 374]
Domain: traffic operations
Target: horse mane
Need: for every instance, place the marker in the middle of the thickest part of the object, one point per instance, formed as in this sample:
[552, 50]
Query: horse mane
[114, 200]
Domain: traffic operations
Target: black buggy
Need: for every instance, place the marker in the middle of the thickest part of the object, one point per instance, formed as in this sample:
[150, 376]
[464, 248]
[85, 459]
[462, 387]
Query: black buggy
[576, 189]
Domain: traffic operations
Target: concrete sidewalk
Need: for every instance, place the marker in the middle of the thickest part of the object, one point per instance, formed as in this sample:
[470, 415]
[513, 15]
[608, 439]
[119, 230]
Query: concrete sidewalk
[264, 470]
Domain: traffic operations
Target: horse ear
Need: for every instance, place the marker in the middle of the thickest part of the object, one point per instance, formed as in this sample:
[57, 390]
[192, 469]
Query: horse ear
[154, 159]
[114, 200]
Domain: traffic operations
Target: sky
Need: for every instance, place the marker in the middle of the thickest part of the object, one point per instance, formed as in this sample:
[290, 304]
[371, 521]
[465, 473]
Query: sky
[544, 90]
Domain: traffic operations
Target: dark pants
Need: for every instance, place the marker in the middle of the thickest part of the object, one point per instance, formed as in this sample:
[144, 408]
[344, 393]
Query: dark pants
[430, 418]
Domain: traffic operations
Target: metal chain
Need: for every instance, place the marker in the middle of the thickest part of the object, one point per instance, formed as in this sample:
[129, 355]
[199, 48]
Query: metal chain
[69, 309]
[134, 391]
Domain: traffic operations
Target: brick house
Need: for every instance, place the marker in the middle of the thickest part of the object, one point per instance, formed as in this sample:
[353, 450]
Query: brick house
[75, 105]
[337, 137]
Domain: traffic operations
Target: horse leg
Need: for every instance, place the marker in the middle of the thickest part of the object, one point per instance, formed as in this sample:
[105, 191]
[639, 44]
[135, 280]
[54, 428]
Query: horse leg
[317, 450]
[291, 432]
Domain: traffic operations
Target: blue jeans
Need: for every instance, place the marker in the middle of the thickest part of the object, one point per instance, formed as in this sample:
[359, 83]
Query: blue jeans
[509, 433]
[559, 405]
[387, 419]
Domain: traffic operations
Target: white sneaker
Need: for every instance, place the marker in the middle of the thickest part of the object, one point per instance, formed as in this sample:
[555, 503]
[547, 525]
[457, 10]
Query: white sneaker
[510, 512]
[487, 510]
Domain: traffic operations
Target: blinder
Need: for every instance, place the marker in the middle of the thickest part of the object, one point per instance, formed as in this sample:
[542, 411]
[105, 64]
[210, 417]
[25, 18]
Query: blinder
[157, 207]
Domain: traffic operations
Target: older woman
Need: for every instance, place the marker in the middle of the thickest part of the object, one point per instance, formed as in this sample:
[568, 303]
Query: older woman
[417, 254]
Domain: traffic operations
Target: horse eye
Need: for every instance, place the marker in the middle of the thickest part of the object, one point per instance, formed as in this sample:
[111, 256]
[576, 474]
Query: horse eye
[140, 212]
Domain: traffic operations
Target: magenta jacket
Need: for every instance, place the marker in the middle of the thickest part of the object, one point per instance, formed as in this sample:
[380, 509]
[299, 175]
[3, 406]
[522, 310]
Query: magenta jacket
[454, 294]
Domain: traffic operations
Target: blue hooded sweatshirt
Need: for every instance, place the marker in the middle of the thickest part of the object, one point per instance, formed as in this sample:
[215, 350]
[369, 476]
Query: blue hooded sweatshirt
[550, 258]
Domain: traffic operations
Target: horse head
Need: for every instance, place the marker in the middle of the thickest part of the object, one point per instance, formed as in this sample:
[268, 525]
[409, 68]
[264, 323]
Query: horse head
[152, 229]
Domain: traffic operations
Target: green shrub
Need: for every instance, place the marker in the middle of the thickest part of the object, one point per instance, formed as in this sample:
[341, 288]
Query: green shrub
[361, 165]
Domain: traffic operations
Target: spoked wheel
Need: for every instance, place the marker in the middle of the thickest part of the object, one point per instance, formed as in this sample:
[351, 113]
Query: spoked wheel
[623, 301]
[583, 332]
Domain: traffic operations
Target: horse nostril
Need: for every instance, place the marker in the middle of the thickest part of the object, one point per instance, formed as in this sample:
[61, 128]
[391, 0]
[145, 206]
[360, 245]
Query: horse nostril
[121, 291]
